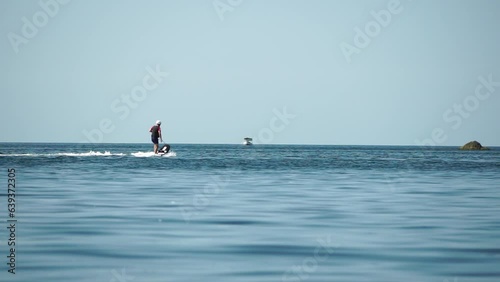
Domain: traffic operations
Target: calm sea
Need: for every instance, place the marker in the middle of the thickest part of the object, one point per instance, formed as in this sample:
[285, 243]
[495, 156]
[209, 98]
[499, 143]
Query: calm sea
[251, 213]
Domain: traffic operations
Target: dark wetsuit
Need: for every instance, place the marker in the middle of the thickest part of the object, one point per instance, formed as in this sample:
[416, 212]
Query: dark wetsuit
[155, 133]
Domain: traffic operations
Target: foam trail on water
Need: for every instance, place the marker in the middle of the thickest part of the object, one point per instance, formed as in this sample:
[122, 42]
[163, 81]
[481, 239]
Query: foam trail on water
[152, 154]
[88, 154]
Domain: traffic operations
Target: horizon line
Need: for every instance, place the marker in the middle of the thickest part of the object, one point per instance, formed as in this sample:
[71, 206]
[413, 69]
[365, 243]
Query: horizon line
[268, 144]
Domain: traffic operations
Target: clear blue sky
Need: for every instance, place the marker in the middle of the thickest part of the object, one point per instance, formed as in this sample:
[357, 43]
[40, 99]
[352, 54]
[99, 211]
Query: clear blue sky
[231, 66]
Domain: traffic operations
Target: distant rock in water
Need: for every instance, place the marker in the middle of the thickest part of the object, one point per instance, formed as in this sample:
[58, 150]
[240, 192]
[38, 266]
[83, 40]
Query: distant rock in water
[473, 145]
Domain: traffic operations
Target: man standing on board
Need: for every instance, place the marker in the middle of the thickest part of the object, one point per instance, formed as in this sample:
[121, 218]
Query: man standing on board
[155, 134]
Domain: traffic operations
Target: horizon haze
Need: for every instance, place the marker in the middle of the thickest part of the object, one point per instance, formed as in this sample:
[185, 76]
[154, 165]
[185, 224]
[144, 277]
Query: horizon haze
[283, 72]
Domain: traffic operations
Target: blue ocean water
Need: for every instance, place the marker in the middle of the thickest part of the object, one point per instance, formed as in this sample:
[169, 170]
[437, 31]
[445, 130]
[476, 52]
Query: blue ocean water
[252, 213]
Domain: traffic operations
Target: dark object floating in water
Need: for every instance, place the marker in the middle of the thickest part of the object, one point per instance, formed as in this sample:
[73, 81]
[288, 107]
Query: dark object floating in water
[473, 145]
[248, 141]
[164, 149]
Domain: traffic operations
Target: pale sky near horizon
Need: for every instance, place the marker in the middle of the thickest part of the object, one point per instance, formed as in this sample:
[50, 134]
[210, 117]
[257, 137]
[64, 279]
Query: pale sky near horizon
[364, 72]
